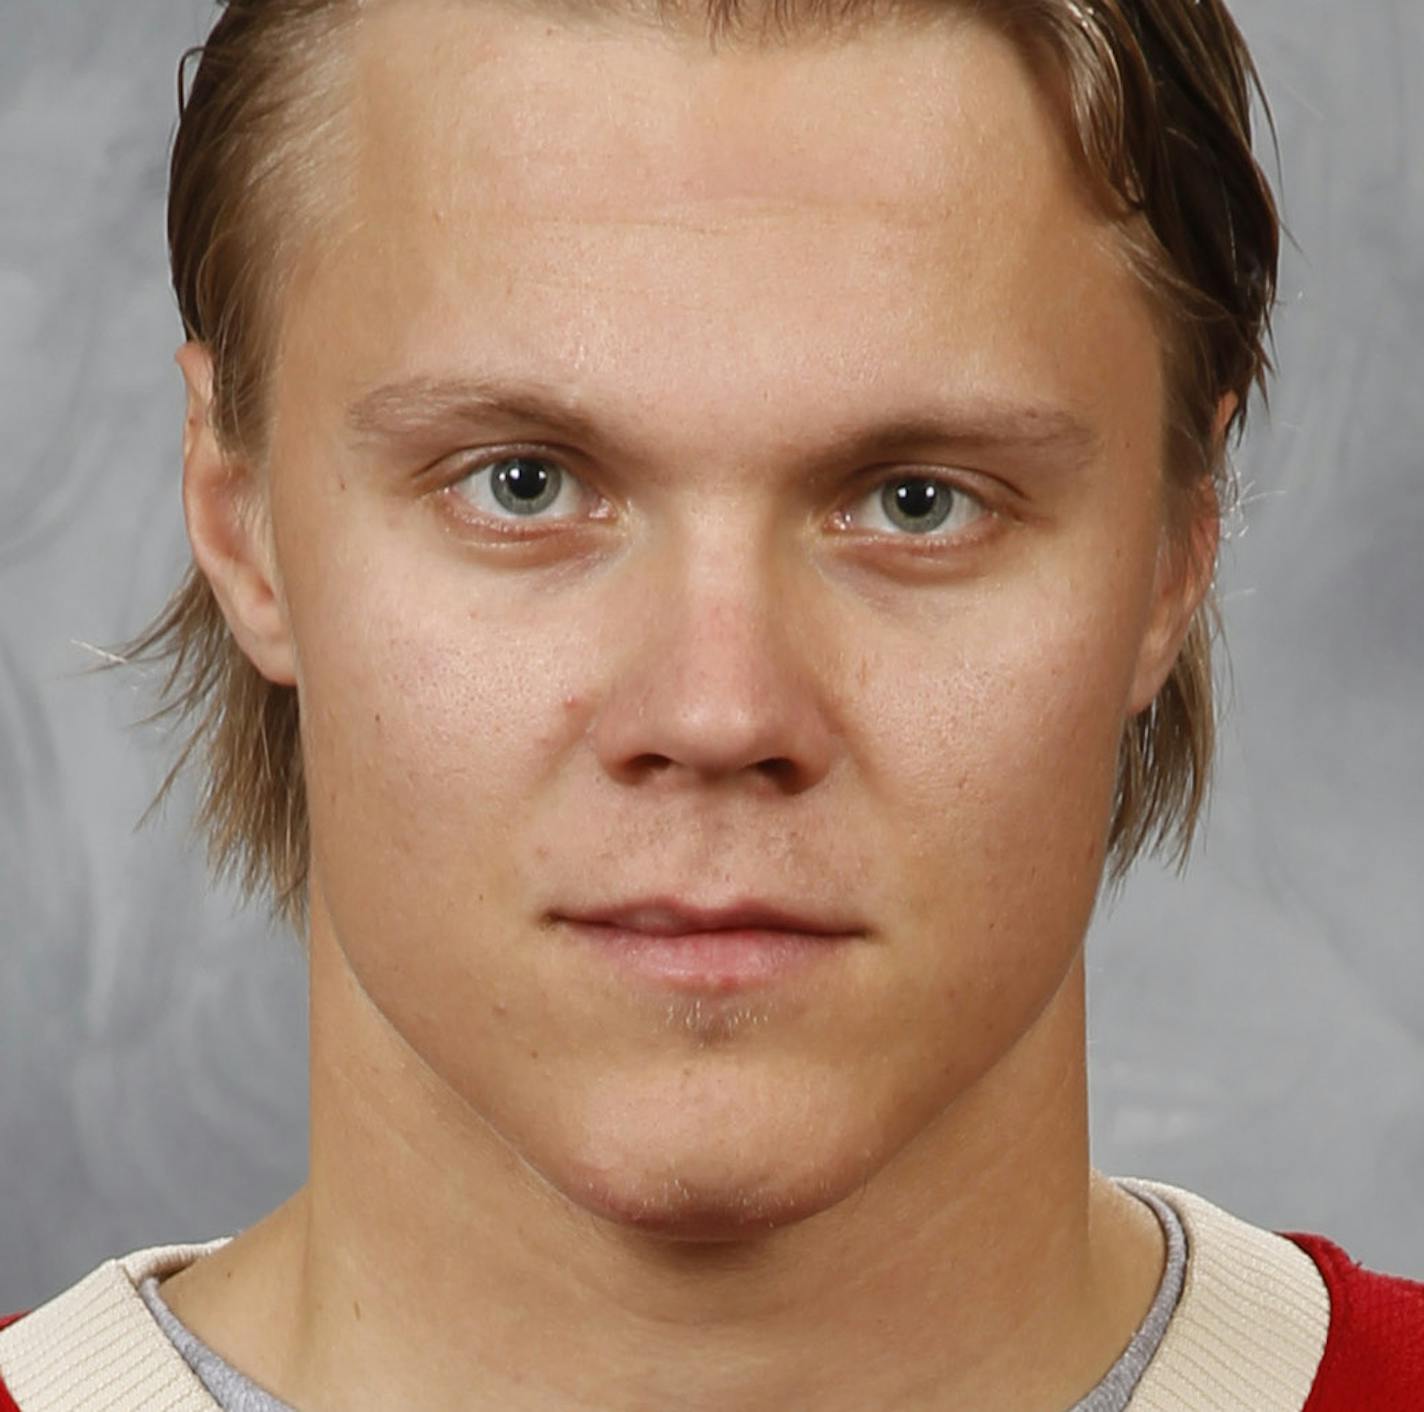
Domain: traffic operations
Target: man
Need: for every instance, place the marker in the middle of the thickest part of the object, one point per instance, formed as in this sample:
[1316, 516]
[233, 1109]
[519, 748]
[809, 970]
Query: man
[703, 525]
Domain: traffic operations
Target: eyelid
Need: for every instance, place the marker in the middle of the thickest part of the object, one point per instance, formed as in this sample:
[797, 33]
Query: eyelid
[464, 464]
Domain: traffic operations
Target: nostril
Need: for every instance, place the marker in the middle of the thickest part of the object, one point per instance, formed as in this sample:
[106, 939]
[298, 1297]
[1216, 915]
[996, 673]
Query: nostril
[780, 769]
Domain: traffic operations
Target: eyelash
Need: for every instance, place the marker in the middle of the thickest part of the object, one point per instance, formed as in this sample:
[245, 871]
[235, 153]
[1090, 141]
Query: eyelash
[509, 525]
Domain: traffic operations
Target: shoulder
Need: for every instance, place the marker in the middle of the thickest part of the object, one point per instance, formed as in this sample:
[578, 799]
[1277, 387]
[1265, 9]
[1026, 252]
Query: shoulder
[1374, 1356]
[7, 1403]
[96, 1346]
[1281, 1322]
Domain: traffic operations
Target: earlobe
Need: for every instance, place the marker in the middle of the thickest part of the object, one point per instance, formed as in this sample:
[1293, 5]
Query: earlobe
[1185, 571]
[227, 530]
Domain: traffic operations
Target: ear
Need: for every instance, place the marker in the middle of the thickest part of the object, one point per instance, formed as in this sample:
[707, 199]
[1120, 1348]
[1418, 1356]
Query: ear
[228, 529]
[1186, 565]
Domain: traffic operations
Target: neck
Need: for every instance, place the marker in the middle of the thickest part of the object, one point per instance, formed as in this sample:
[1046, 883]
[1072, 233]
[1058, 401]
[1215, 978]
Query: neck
[426, 1263]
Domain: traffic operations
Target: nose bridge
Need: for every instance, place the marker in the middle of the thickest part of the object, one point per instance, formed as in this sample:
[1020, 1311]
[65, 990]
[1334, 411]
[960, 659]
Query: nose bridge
[718, 675]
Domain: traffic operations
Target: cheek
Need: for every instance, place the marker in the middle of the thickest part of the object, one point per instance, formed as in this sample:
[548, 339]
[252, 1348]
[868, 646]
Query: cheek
[432, 726]
[424, 730]
[1004, 758]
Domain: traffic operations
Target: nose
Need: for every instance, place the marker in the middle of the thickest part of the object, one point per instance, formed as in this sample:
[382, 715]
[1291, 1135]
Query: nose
[722, 675]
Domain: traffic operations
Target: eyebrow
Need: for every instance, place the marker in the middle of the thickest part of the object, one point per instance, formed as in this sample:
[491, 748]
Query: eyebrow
[407, 408]
[412, 405]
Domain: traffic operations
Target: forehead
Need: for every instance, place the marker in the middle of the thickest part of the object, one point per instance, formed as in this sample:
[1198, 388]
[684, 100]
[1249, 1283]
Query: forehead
[781, 121]
[614, 201]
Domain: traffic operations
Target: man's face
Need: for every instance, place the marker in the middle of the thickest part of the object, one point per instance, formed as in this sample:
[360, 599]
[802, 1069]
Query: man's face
[709, 636]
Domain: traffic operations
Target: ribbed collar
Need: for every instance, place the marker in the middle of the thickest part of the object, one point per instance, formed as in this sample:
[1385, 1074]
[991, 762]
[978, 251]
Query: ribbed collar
[1252, 1322]
[1249, 1330]
[96, 1348]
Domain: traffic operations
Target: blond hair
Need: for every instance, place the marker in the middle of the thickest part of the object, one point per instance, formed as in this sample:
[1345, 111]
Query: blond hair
[1158, 94]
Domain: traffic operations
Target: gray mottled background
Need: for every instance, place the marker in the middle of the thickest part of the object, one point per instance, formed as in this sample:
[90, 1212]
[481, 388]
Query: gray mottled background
[1259, 1025]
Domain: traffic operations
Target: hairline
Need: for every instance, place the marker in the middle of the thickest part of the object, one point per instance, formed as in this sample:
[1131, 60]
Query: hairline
[803, 21]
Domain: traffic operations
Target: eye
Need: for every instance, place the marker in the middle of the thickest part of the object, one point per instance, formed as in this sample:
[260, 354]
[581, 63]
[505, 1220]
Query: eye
[520, 486]
[919, 505]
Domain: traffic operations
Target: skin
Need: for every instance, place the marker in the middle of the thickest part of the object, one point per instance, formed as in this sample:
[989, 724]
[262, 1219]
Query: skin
[714, 668]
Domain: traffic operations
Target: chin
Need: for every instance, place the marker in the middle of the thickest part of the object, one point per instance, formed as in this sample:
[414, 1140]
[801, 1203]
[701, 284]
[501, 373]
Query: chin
[675, 1209]
[723, 1178]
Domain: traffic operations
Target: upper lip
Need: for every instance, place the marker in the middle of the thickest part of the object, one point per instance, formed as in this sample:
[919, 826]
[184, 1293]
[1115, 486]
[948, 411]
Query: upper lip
[670, 916]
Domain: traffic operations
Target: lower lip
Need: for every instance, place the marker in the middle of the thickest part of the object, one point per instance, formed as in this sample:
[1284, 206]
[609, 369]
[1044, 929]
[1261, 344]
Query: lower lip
[715, 961]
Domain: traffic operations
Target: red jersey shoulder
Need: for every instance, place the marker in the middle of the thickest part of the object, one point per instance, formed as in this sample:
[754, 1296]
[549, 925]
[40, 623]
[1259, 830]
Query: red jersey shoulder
[8, 1403]
[1374, 1352]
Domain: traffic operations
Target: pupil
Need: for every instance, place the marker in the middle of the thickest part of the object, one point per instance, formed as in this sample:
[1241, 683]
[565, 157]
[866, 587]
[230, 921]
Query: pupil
[526, 479]
[526, 484]
[918, 503]
[916, 497]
